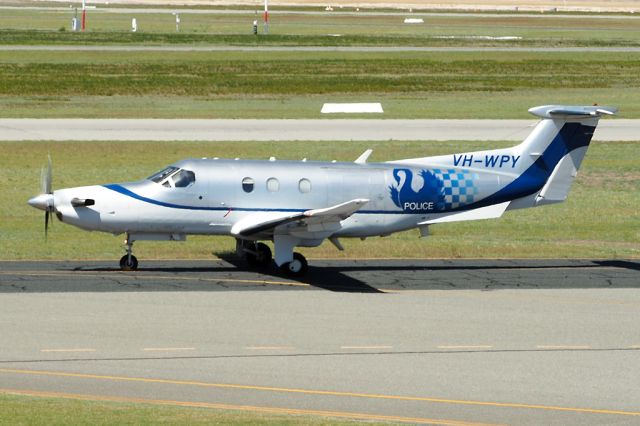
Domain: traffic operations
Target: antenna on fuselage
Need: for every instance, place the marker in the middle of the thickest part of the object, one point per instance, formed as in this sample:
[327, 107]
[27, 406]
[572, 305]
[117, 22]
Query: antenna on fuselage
[364, 157]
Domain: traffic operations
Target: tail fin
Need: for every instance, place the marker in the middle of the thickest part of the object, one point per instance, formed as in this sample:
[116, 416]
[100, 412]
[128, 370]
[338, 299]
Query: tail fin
[556, 148]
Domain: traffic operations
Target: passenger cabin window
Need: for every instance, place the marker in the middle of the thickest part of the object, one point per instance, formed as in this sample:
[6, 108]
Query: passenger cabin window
[273, 185]
[247, 184]
[304, 186]
[173, 177]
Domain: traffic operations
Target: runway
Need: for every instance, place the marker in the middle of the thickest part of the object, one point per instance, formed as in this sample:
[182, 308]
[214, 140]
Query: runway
[288, 130]
[423, 341]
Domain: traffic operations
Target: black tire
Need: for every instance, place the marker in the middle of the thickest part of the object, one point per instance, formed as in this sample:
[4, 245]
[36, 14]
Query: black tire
[251, 259]
[127, 265]
[296, 268]
[262, 257]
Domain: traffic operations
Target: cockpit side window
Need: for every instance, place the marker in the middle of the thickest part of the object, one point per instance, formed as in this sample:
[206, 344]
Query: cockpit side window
[183, 178]
[162, 174]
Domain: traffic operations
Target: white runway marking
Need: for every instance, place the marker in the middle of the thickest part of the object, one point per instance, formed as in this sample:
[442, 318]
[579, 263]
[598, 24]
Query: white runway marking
[269, 348]
[465, 347]
[351, 108]
[168, 349]
[366, 347]
[562, 347]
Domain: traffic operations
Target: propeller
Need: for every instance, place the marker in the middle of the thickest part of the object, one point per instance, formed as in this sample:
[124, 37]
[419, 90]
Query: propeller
[45, 201]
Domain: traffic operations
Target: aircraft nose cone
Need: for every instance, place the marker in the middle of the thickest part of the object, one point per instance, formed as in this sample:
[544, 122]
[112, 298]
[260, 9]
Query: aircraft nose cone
[42, 201]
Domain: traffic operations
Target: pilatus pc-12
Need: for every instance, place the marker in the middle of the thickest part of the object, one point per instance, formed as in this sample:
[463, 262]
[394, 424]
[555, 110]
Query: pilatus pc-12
[302, 203]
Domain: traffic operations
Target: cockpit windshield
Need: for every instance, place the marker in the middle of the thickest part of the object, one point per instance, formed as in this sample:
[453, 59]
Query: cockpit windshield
[162, 174]
[174, 177]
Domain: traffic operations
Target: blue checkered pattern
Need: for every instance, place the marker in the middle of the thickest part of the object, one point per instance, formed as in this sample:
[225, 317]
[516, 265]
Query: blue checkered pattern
[458, 186]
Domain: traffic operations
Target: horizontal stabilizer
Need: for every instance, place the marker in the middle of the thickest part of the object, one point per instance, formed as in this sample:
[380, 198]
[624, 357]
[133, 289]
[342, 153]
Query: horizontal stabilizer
[489, 212]
[563, 111]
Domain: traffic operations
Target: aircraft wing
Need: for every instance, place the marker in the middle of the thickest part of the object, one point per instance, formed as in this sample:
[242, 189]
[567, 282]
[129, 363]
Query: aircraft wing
[266, 222]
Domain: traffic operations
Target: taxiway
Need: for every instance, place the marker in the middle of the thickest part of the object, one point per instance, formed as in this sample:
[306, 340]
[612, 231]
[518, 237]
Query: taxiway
[431, 341]
[287, 130]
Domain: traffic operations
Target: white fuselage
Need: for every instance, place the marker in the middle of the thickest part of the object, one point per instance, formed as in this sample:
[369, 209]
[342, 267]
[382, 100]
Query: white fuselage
[217, 199]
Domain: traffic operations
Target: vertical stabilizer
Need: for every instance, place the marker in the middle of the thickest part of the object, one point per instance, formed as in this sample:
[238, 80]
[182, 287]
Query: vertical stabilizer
[556, 149]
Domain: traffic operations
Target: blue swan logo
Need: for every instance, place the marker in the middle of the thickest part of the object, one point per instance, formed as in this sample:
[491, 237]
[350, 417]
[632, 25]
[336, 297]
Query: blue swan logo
[410, 196]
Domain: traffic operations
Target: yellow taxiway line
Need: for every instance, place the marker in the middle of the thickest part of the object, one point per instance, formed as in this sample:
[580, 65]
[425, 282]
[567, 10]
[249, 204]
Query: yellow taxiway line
[319, 392]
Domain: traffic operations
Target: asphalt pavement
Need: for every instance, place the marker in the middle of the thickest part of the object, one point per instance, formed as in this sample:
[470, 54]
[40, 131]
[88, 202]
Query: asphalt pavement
[424, 341]
[288, 130]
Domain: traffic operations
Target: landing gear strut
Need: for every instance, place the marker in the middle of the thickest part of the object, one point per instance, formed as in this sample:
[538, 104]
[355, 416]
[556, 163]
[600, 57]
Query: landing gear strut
[129, 262]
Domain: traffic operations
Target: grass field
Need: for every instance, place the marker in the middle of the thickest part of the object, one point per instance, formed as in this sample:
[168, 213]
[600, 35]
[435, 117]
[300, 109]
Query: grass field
[18, 410]
[318, 29]
[599, 219]
[255, 84]
[296, 84]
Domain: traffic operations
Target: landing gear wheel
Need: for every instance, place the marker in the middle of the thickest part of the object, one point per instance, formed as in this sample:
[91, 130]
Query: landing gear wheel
[260, 257]
[297, 267]
[127, 264]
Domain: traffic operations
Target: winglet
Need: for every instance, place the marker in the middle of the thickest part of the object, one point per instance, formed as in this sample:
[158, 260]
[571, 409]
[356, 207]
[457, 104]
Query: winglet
[364, 157]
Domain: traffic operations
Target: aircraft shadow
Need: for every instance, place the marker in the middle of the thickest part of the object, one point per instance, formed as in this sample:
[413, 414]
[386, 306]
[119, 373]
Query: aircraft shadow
[331, 279]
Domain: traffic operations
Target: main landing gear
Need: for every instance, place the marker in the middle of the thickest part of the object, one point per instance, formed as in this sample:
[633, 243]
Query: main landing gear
[297, 267]
[259, 256]
[129, 262]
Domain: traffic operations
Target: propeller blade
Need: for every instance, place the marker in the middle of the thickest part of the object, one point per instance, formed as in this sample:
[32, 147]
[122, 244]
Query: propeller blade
[46, 224]
[43, 180]
[45, 200]
[48, 177]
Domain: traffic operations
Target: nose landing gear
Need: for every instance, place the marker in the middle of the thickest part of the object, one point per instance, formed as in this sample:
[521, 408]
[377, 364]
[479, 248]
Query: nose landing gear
[129, 262]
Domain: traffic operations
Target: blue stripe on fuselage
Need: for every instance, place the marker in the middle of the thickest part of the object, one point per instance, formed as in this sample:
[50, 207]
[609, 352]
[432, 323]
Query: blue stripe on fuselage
[124, 191]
